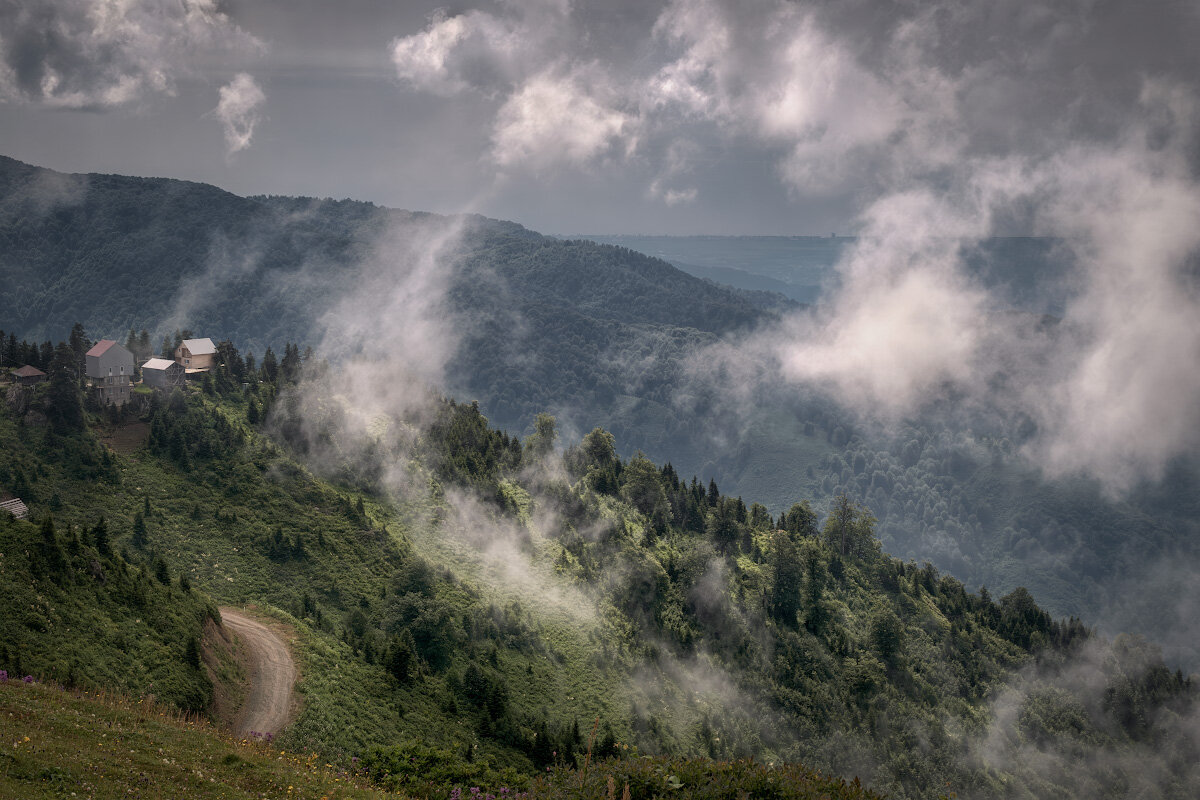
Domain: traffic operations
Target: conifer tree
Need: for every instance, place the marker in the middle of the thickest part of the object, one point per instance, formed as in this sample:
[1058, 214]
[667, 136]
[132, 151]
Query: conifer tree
[65, 404]
[270, 367]
[79, 345]
[99, 536]
[788, 583]
[139, 531]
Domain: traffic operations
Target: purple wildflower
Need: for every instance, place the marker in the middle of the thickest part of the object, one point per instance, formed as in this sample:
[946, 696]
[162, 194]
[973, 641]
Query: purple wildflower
[3, 676]
[28, 679]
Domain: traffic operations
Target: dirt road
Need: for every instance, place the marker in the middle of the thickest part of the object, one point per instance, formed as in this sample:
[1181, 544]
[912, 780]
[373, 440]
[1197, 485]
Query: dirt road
[272, 673]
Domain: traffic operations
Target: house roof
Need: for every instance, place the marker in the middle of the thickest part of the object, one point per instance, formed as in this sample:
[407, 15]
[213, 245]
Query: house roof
[200, 347]
[101, 347]
[15, 507]
[27, 372]
[158, 363]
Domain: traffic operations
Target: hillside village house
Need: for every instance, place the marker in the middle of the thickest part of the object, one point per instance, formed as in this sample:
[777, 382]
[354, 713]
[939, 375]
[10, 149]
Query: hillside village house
[196, 355]
[110, 368]
[28, 376]
[162, 373]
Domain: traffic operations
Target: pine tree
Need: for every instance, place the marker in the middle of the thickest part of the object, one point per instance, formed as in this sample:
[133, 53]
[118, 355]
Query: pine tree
[401, 656]
[270, 368]
[99, 536]
[64, 402]
[290, 366]
[788, 573]
[139, 531]
[79, 345]
[51, 554]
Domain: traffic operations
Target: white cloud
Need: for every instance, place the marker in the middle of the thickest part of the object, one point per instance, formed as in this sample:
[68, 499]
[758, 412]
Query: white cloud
[453, 54]
[551, 120]
[478, 51]
[103, 54]
[1113, 389]
[772, 74]
[946, 122]
[1129, 399]
[238, 111]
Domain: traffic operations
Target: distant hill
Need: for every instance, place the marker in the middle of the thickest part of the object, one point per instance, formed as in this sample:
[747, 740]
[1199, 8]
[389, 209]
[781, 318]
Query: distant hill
[798, 267]
[748, 281]
[1026, 273]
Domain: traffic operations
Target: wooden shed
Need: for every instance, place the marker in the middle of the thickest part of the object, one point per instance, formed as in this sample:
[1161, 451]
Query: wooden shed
[162, 373]
[28, 376]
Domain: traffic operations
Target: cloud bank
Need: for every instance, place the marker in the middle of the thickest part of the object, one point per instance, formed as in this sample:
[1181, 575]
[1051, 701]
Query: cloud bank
[949, 124]
[105, 54]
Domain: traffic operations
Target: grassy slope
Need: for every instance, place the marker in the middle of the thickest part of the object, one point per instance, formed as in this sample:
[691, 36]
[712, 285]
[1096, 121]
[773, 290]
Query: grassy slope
[97, 621]
[662, 637]
[58, 743]
[347, 705]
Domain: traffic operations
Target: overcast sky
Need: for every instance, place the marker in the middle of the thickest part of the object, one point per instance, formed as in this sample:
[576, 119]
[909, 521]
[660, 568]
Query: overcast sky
[572, 116]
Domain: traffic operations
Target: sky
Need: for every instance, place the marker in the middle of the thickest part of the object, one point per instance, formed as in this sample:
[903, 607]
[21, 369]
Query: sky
[581, 116]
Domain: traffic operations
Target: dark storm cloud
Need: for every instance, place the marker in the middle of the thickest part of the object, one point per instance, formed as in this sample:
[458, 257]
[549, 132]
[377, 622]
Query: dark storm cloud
[845, 96]
[102, 54]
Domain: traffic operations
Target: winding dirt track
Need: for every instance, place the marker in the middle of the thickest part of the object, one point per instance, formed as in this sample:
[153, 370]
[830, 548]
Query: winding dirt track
[272, 673]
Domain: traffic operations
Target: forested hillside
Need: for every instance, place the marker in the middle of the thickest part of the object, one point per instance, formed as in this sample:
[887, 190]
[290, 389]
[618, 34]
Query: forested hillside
[598, 336]
[473, 608]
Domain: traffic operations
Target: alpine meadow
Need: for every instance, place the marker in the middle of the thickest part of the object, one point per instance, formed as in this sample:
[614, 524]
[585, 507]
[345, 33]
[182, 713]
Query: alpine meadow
[839, 438]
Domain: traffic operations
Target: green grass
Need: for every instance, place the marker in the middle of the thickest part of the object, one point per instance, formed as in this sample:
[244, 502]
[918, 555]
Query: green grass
[97, 621]
[56, 743]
